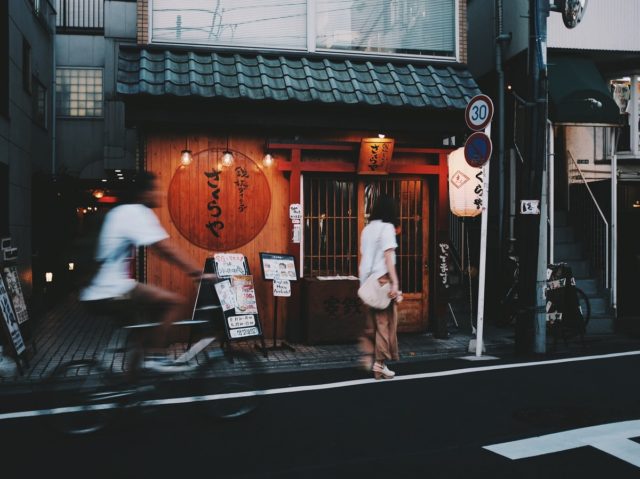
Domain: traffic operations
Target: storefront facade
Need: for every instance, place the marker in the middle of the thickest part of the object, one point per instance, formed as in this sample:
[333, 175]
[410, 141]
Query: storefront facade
[340, 130]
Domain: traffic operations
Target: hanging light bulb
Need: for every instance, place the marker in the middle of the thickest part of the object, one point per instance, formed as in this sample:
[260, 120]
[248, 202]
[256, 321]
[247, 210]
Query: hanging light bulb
[227, 158]
[268, 160]
[186, 157]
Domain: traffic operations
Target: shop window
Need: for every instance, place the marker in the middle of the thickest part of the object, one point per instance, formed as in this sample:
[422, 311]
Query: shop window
[79, 92]
[330, 226]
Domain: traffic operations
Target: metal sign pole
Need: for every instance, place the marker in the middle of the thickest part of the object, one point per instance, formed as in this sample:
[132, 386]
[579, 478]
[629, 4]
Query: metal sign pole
[483, 253]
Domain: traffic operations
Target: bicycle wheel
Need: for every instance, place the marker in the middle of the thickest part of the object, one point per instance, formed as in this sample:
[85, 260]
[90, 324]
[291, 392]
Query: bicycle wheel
[584, 305]
[87, 398]
[230, 383]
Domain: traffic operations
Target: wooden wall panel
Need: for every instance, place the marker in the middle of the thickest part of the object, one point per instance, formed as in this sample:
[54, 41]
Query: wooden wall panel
[163, 158]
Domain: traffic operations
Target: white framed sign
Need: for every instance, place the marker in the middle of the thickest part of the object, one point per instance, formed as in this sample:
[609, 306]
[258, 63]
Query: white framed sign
[230, 264]
[529, 207]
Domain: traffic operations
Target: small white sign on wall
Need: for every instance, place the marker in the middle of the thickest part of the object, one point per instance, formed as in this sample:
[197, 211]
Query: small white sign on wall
[295, 211]
[529, 207]
[282, 287]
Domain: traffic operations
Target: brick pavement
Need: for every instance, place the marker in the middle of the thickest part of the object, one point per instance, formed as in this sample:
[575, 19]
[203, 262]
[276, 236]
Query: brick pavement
[67, 333]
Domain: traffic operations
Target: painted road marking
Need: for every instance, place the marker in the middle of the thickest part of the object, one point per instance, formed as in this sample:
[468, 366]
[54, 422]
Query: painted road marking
[316, 387]
[613, 438]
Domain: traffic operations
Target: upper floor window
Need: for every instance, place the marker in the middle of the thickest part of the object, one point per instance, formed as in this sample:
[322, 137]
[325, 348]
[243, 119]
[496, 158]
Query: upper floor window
[626, 93]
[80, 16]
[79, 92]
[382, 27]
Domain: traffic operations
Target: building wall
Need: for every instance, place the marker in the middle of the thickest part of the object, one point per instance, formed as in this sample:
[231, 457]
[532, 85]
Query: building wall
[111, 145]
[606, 25]
[25, 146]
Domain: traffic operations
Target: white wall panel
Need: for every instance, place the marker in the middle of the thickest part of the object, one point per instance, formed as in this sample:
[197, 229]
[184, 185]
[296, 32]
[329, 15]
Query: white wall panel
[607, 25]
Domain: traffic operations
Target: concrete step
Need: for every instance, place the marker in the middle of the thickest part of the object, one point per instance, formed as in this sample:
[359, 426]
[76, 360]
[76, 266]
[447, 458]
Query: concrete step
[599, 306]
[588, 285]
[567, 251]
[603, 325]
[563, 234]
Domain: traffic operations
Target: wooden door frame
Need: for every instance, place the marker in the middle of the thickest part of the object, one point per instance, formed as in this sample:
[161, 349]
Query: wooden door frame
[294, 167]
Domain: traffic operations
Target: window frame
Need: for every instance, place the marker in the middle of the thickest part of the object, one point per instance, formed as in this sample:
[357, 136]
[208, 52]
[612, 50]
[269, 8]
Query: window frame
[38, 87]
[311, 46]
[59, 95]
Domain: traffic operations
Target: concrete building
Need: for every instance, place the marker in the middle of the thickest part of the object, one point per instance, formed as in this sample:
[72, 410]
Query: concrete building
[27, 126]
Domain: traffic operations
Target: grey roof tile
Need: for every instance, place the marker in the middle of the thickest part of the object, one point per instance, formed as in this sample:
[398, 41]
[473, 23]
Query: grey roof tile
[152, 71]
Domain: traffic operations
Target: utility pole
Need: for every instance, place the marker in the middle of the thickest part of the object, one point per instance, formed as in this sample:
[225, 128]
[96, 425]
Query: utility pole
[529, 225]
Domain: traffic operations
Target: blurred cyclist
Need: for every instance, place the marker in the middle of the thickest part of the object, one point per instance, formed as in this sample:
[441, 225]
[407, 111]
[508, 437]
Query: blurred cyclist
[134, 224]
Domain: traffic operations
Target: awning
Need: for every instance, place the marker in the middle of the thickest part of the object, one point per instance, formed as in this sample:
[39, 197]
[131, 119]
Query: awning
[149, 71]
[579, 94]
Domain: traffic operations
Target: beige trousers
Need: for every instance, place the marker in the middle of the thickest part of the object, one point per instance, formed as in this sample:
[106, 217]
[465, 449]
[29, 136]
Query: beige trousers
[379, 340]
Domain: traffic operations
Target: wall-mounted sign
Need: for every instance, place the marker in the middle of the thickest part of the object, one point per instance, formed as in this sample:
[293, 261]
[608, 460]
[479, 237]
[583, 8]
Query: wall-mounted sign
[375, 155]
[529, 207]
[14, 289]
[295, 211]
[219, 207]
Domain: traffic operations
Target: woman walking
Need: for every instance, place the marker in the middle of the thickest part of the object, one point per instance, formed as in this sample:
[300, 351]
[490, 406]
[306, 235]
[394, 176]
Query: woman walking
[379, 342]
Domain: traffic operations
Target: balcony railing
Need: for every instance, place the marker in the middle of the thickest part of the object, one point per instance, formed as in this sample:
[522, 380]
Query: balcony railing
[80, 16]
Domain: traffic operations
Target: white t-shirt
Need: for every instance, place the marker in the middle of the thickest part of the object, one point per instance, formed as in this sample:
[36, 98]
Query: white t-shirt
[376, 238]
[124, 226]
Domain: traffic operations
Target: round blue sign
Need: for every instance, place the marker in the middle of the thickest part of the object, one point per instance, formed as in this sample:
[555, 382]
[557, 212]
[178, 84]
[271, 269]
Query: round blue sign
[477, 149]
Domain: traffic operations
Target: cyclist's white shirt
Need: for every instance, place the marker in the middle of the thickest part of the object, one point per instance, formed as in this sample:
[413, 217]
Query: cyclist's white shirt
[124, 226]
[376, 238]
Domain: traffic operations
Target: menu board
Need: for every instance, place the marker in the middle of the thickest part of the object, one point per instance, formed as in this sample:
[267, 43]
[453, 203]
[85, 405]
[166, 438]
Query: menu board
[15, 293]
[10, 321]
[232, 294]
[278, 266]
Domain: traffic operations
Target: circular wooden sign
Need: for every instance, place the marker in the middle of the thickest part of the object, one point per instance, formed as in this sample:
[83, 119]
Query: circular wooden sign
[219, 207]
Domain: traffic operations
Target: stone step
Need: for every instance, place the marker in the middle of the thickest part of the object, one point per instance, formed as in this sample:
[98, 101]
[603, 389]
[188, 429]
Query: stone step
[603, 325]
[563, 234]
[588, 285]
[599, 306]
[567, 251]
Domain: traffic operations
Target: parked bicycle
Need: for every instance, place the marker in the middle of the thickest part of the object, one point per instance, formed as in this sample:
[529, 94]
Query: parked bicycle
[223, 378]
[510, 301]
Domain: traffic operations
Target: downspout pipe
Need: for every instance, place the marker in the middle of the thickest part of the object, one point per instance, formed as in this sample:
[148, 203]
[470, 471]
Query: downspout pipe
[501, 39]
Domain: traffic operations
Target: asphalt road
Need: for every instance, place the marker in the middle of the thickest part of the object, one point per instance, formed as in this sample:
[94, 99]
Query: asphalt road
[436, 424]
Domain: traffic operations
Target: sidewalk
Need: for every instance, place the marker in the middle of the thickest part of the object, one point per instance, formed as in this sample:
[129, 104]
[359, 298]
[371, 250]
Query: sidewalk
[68, 333]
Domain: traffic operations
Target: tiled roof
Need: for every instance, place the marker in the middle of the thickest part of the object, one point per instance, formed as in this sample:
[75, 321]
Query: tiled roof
[261, 77]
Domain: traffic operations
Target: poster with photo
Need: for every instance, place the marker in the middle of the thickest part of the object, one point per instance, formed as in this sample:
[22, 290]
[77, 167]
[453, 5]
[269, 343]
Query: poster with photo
[15, 293]
[245, 294]
[226, 295]
[278, 266]
[10, 320]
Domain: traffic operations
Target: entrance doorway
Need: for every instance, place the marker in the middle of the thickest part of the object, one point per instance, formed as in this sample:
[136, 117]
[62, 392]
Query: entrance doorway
[336, 211]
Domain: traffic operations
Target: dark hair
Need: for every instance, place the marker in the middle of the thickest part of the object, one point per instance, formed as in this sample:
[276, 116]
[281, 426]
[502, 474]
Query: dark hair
[143, 181]
[384, 208]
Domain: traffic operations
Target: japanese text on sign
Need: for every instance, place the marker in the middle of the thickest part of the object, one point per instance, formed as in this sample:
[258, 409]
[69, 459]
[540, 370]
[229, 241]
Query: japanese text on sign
[242, 183]
[214, 207]
[229, 264]
[10, 320]
[443, 270]
[241, 321]
[244, 332]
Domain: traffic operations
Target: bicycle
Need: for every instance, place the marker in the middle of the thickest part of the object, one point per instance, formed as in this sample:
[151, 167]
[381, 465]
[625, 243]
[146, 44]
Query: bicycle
[100, 396]
[510, 300]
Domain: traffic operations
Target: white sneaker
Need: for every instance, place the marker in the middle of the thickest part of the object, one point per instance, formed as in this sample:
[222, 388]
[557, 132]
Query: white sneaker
[164, 364]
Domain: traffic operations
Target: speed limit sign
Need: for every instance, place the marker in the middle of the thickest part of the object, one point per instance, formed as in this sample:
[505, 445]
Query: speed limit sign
[479, 112]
